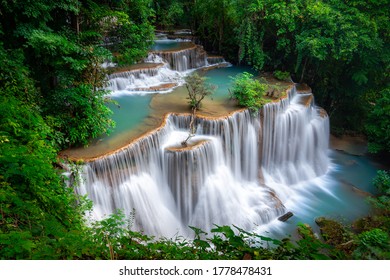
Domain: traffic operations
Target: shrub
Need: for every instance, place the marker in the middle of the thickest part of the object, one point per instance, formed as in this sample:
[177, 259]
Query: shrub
[373, 244]
[282, 75]
[249, 92]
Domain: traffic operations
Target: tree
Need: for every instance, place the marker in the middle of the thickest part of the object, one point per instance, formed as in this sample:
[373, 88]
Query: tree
[168, 13]
[51, 83]
[266, 32]
[35, 205]
[63, 45]
[197, 91]
[216, 21]
[127, 29]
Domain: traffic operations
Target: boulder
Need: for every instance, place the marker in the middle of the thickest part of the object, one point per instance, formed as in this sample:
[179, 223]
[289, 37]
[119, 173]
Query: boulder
[286, 216]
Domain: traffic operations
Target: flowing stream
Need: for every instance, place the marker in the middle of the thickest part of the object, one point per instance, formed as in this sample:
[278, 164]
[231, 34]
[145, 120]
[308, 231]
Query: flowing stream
[242, 169]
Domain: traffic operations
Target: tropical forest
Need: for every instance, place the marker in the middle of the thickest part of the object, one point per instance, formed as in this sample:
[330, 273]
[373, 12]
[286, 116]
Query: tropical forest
[194, 130]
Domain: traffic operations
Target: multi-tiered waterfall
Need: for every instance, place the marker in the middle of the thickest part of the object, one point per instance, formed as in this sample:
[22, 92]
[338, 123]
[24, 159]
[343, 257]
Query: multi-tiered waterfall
[162, 70]
[235, 170]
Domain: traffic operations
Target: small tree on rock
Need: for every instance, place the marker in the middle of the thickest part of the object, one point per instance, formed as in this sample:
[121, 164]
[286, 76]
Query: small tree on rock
[197, 89]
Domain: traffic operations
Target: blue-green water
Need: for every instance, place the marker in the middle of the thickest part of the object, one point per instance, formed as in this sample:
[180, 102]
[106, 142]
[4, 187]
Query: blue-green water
[222, 78]
[334, 195]
[167, 45]
[135, 108]
[130, 112]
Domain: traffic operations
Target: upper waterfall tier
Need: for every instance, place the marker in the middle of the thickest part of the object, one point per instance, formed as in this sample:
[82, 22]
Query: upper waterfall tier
[217, 181]
[163, 70]
[148, 79]
[185, 59]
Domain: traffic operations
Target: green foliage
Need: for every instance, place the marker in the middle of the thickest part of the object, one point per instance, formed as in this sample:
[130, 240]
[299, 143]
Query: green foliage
[308, 247]
[382, 201]
[74, 104]
[339, 48]
[169, 13]
[15, 76]
[382, 182]
[282, 75]
[129, 40]
[197, 89]
[81, 114]
[373, 244]
[113, 238]
[265, 33]
[378, 123]
[249, 92]
[33, 199]
[58, 58]
[214, 22]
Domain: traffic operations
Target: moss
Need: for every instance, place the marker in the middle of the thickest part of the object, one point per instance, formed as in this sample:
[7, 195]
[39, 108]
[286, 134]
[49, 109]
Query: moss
[305, 231]
[332, 232]
[371, 222]
[335, 234]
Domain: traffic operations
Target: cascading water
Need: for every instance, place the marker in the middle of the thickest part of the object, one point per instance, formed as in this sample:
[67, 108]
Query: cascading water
[295, 142]
[217, 179]
[213, 60]
[142, 80]
[162, 67]
[184, 60]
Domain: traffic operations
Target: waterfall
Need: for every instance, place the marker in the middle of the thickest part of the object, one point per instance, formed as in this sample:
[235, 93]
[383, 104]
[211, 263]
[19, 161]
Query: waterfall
[218, 177]
[143, 80]
[161, 71]
[295, 139]
[295, 144]
[184, 60]
[212, 60]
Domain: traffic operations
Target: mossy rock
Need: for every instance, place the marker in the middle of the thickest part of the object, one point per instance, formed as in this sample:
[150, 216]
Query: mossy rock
[371, 222]
[332, 231]
[335, 234]
[306, 231]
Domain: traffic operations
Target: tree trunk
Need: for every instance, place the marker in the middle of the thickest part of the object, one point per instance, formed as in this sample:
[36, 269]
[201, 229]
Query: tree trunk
[75, 21]
[303, 71]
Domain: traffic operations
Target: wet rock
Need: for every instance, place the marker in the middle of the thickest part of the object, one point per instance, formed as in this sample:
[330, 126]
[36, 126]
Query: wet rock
[286, 216]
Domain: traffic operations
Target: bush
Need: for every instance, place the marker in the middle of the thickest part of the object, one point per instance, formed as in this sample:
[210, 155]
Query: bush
[249, 92]
[378, 123]
[373, 244]
[282, 75]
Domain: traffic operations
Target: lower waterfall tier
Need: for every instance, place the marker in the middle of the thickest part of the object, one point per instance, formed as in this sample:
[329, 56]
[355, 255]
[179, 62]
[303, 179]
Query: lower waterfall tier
[227, 177]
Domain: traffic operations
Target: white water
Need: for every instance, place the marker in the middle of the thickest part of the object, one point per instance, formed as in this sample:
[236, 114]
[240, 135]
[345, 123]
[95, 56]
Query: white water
[140, 81]
[219, 181]
[184, 60]
[170, 67]
[295, 138]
